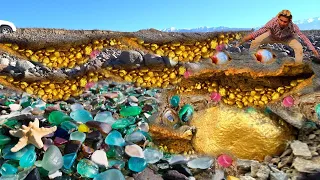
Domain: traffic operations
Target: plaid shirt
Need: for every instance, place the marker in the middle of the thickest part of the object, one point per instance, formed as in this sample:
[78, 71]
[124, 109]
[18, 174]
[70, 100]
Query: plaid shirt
[285, 34]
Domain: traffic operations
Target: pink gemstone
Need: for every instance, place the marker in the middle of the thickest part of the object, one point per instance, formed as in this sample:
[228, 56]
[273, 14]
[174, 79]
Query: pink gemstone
[288, 101]
[221, 47]
[225, 161]
[216, 97]
[94, 54]
[90, 85]
[59, 141]
[187, 74]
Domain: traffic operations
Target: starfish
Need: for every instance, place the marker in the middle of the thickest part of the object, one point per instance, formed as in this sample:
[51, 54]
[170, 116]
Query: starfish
[31, 134]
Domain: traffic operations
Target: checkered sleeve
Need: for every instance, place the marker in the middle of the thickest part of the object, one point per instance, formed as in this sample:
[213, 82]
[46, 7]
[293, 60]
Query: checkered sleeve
[303, 37]
[264, 29]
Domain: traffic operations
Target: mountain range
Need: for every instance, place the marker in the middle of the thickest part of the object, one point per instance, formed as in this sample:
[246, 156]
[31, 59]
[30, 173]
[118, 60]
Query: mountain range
[306, 24]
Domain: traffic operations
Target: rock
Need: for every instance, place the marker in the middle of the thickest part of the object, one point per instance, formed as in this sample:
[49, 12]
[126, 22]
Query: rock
[263, 173]
[300, 149]
[218, 175]
[234, 49]
[307, 166]
[147, 173]
[244, 165]
[254, 168]
[100, 158]
[4, 61]
[130, 57]
[247, 178]
[152, 60]
[181, 168]
[275, 174]
[33, 175]
[134, 151]
[174, 175]
[25, 65]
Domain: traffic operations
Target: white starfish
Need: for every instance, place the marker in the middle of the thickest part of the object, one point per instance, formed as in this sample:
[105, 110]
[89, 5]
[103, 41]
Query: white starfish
[31, 134]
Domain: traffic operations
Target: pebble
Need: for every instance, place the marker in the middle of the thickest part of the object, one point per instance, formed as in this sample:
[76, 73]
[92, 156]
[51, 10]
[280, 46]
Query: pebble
[201, 163]
[100, 158]
[300, 149]
[115, 138]
[134, 151]
[152, 155]
[110, 174]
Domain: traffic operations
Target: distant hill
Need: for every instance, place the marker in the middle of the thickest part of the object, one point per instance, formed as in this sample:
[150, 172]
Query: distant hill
[307, 24]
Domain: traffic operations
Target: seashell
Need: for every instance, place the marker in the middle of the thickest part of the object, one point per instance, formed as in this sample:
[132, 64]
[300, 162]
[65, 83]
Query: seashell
[220, 57]
[170, 117]
[265, 56]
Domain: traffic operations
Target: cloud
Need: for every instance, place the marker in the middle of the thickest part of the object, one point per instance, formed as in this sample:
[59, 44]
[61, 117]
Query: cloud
[310, 20]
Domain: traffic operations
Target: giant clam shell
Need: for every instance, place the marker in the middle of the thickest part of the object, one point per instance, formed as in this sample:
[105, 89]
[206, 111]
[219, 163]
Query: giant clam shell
[265, 56]
[220, 57]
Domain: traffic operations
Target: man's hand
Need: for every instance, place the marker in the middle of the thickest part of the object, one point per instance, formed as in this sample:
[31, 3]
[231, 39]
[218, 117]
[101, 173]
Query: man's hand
[244, 39]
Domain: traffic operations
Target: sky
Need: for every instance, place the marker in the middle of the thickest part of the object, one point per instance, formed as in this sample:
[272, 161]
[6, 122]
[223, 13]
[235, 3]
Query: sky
[134, 15]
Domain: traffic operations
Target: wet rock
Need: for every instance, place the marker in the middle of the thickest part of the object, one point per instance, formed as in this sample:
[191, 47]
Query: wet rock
[247, 178]
[307, 166]
[300, 149]
[244, 165]
[153, 60]
[174, 175]
[130, 57]
[181, 168]
[24, 65]
[147, 173]
[218, 175]
[72, 146]
[4, 61]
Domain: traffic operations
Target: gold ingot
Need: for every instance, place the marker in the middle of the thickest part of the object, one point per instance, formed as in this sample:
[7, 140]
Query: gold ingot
[50, 49]
[146, 78]
[83, 82]
[261, 103]
[239, 104]
[259, 88]
[256, 97]
[139, 80]
[88, 50]
[281, 91]
[29, 90]
[41, 92]
[222, 92]
[293, 83]
[198, 86]
[252, 93]
[182, 48]
[232, 178]
[250, 99]
[159, 52]
[214, 84]
[204, 49]
[213, 44]
[34, 58]
[74, 87]
[15, 47]
[78, 55]
[232, 96]
[178, 52]
[230, 102]
[196, 50]
[155, 46]
[140, 41]
[185, 54]
[264, 98]
[300, 80]
[280, 88]
[52, 57]
[29, 52]
[260, 135]
[275, 96]
[176, 44]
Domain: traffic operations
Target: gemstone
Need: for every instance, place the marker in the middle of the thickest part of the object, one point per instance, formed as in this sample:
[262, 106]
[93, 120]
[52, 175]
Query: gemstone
[81, 115]
[100, 158]
[186, 112]
[121, 123]
[59, 141]
[87, 151]
[47, 142]
[72, 146]
[110, 174]
[224, 160]
[137, 164]
[87, 168]
[79, 136]
[215, 96]
[76, 106]
[135, 137]
[52, 159]
[104, 128]
[28, 159]
[115, 138]
[7, 154]
[134, 151]
[175, 100]
[33, 175]
[115, 162]
[200, 163]
[177, 159]
[69, 126]
[8, 169]
[83, 128]
[68, 160]
[105, 117]
[61, 133]
[317, 110]
[288, 101]
[94, 136]
[4, 139]
[57, 117]
[152, 155]
[130, 111]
